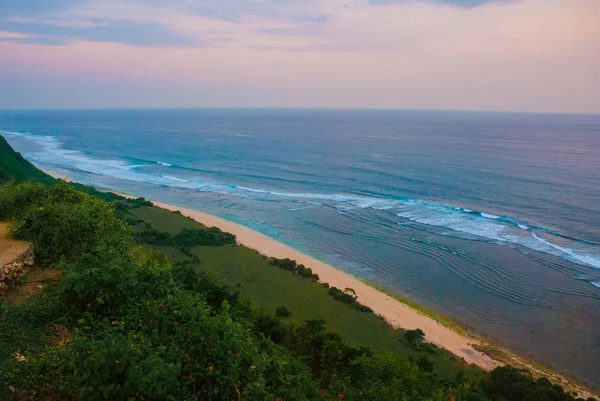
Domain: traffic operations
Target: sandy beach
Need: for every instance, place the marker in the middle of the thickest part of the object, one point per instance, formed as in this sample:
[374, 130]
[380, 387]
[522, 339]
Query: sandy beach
[396, 313]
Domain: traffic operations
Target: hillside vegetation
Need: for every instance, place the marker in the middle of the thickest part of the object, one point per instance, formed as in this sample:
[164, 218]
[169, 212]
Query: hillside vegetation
[185, 319]
[14, 167]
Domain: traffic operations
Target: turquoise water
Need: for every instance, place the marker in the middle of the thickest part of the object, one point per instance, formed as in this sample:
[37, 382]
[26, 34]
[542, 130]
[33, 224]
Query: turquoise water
[490, 218]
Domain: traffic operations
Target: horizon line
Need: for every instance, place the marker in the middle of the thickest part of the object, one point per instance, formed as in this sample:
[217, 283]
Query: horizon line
[307, 108]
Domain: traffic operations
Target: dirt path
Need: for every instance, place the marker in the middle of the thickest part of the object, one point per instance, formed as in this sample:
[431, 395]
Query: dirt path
[10, 249]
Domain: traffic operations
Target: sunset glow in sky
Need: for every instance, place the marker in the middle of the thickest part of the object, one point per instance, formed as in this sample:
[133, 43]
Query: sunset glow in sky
[526, 55]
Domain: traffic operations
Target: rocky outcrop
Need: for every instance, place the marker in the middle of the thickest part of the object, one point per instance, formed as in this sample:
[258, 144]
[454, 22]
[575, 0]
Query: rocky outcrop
[15, 269]
[16, 257]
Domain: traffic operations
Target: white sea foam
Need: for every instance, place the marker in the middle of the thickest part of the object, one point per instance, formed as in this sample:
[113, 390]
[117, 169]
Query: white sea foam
[312, 203]
[490, 216]
[497, 231]
[4, 133]
[375, 203]
[169, 177]
[577, 255]
[164, 164]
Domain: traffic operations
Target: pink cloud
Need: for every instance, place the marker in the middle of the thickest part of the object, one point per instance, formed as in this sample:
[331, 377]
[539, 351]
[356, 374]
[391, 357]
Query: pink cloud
[13, 35]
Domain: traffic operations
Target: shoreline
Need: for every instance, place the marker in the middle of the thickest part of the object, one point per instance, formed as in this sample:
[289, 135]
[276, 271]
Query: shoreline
[394, 312]
[472, 349]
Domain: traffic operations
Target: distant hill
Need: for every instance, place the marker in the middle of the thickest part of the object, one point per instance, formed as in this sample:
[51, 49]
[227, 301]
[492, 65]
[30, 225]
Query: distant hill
[14, 166]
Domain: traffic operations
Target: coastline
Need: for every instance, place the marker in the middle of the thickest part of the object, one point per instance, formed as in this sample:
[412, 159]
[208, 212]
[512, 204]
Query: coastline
[394, 312]
[473, 349]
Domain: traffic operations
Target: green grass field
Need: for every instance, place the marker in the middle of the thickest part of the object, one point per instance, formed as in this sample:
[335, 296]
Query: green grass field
[245, 270]
[164, 220]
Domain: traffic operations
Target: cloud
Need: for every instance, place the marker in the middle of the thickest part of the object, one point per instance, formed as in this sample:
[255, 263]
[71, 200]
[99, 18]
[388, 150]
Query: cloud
[133, 34]
[319, 18]
[27, 7]
[153, 23]
[457, 3]
[13, 35]
[302, 31]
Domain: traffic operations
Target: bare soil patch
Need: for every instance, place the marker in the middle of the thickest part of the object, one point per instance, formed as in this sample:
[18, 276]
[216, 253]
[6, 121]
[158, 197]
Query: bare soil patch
[32, 284]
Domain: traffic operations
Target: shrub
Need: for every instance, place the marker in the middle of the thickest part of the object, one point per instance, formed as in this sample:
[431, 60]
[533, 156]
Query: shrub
[282, 311]
[342, 296]
[139, 202]
[152, 237]
[305, 272]
[507, 382]
[347, 296]
[70, 228]
[187, 238]
[17, 199]
[414, 337]
[291, 265]
[205, 236]
[364, 308]
[113, 281]
[285, 264]
[193, 279]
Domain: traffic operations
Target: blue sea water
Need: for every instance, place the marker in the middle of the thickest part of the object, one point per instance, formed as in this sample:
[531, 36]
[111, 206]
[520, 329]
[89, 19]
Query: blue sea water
[490, 218]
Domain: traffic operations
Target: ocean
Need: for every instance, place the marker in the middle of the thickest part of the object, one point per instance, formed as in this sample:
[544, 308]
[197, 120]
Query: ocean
[492, 219]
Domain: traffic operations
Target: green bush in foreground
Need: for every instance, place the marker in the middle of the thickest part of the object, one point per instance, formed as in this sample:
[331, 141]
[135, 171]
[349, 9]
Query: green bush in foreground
[61, 222]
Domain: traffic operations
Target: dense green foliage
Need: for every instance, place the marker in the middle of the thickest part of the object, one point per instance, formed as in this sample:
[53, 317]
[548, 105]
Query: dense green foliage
[123, 324]
[291, 265]
[515, 385]
[348, 296]
[414, 337]
[283, 311]
[14, 167]
[187, 238]
[60, 222]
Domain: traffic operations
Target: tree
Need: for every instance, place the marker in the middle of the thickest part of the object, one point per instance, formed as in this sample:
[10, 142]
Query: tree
[282, 311]
[414, 337]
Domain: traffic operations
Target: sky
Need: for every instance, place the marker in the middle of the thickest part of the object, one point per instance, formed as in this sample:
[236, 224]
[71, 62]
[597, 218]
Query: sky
[506, 55]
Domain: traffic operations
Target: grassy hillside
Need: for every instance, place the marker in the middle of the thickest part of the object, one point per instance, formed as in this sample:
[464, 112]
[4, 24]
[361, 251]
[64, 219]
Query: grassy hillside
[14, 166]
[245, 271]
